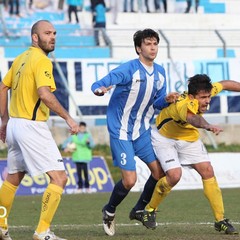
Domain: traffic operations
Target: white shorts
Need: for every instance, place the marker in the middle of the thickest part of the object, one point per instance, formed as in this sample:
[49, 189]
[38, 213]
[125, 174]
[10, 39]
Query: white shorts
[31, 148]
[173, 153]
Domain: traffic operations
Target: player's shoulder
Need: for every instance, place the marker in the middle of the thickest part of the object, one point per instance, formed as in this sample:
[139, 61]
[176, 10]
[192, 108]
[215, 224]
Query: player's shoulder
[159, 67]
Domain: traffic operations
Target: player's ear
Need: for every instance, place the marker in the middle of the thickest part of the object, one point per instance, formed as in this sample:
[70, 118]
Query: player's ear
[35, 37]
[138, 49]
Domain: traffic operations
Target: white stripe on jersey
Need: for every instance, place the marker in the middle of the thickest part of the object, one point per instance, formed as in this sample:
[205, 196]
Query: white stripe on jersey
[128, 107]
[147, 96]
[150, 111]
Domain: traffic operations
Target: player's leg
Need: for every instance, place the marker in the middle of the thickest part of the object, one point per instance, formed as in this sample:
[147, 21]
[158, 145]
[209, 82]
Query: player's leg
[41, 155]
[50, 200]
[16, 172]
[123, 157]
[163, 188]
[166, 153]
[7, 195]
[144, 150]
[214, 195]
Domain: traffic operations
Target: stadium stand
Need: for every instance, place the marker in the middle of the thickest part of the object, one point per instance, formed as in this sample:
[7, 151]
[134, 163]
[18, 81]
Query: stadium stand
[212, 32]
[73, 42]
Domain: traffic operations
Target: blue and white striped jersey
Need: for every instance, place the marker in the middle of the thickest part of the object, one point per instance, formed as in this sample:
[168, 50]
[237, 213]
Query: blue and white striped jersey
[136, 94]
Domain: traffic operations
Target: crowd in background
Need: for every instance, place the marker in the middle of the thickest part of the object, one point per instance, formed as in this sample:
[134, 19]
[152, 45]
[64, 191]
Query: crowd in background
[19, 7]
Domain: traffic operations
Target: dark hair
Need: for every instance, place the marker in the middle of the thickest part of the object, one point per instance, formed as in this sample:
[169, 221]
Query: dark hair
[140, 35]
[82, 124]
[199, 82]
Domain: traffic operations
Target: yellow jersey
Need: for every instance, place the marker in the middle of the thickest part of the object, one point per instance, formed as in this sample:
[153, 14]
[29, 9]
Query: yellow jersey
[172, 120]
[30, 70]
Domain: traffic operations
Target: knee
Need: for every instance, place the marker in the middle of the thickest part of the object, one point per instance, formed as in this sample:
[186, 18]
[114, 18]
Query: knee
[129, 183]
[173, 176]
[207, 173]
[59, 178]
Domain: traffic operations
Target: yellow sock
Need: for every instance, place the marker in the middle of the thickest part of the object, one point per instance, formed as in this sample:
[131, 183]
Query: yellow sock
[162, 189]
[214, 195]
[7, 194]
[50, 201]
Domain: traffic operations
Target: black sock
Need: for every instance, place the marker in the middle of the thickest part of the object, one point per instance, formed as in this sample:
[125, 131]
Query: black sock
[118, 194]
[146, 194]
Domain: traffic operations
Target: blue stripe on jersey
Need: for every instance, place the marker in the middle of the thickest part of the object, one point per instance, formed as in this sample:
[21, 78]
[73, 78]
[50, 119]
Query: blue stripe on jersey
[130, 108]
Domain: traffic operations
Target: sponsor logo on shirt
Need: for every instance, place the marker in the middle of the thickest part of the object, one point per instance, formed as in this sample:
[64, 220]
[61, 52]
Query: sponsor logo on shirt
[139, 80]
[48, 75]
[170, 160]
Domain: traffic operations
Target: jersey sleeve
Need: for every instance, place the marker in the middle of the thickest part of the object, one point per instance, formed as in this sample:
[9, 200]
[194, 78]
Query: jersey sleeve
[217, 88]
[116, 76]
[187, 106]
[44, 74]
[160, 101]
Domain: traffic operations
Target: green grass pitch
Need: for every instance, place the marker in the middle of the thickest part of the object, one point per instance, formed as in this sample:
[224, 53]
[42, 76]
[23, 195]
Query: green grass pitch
[184, 215]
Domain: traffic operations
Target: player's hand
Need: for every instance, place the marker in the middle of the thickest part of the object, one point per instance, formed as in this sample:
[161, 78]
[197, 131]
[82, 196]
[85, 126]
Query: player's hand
[172, 97]
[102, 90]
[215, 129]
[74, 127]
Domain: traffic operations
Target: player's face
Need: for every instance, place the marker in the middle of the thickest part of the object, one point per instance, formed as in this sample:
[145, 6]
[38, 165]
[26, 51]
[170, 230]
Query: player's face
[148, 50]
[46, 37]
[204, 99]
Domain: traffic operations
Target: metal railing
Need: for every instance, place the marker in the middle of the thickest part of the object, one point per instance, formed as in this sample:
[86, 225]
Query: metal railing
[182, 40]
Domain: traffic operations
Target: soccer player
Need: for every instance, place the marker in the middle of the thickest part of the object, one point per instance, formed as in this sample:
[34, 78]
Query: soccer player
[140, 86]
[31, 148]
[176, 143]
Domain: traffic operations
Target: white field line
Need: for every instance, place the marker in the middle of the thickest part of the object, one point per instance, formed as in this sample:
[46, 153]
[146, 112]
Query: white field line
[76, 226]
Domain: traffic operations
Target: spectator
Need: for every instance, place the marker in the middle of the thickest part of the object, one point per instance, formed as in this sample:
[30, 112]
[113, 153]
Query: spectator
[60, 4]
[158, 7]
[189, 5]
[82, 155]
[73, 6]
[125, 6]
[14, 7]
[114, 10]
[99, 17]
[147, 6]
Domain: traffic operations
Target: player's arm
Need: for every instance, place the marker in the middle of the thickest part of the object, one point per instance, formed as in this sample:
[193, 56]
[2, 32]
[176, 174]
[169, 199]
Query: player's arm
[54, 105]
[3, 110]
[230, 85]
[105, 84]
[199, 122]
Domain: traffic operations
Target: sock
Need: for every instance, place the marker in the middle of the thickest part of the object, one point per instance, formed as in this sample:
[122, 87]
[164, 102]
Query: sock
[161, 190]
[7, 194]
[118, 194]
[50, 201]
[214, 195]
[146, 194]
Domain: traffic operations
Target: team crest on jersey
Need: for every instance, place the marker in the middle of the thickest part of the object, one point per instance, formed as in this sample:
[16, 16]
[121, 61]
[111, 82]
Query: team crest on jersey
[48, 75]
